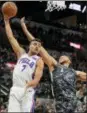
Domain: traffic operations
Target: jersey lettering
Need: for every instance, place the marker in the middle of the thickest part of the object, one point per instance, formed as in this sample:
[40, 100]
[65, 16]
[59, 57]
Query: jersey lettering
[27, 61]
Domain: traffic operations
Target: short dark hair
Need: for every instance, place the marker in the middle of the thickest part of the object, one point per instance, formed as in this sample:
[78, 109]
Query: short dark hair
[66, 54]
[36, 39]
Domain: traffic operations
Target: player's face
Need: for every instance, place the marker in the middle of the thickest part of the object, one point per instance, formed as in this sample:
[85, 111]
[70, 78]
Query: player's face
[64, 59]
[35, 47]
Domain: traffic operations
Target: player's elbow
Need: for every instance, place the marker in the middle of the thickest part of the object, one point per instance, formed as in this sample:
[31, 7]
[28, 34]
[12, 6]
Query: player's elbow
[84, 78]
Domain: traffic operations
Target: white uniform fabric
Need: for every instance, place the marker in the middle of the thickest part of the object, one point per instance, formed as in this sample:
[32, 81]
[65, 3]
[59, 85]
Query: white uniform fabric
[20, 99]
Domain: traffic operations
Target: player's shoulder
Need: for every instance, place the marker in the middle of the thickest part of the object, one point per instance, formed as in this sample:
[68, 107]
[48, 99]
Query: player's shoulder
[24, 54]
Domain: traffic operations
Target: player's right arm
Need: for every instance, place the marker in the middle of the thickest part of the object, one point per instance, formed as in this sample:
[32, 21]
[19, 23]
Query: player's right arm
[38, 74]
[15, 45]
[49, 60]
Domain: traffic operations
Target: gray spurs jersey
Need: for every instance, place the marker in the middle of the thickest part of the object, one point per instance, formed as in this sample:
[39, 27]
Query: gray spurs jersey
[64, 83]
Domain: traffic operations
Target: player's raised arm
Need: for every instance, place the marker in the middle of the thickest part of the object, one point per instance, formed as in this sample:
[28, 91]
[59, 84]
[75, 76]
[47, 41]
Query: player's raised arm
[25, 30]
[50, 61]
[15, 45]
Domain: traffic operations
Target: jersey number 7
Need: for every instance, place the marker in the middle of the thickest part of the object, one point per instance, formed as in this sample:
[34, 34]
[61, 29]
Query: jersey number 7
[23, 67]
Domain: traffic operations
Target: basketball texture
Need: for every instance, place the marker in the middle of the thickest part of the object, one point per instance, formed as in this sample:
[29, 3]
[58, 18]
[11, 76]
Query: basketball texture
[9, 9]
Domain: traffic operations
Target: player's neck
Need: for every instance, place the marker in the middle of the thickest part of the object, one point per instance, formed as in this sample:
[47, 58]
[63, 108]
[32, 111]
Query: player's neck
[30, 53]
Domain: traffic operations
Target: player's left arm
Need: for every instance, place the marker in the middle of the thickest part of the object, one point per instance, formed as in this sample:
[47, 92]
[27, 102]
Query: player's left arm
[38, 74]
[82, 75]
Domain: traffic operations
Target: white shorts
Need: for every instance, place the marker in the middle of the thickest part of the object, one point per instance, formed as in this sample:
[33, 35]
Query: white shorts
[21, 100]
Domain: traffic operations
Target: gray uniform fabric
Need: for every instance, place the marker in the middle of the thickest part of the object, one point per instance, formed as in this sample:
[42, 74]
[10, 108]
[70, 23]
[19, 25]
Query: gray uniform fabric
[64, 85]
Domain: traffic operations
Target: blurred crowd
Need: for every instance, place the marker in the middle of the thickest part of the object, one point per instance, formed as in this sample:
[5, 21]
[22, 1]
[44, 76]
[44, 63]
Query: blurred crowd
[59, 38]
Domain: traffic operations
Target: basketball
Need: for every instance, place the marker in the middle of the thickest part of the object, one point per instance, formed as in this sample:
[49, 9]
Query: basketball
[9, 9]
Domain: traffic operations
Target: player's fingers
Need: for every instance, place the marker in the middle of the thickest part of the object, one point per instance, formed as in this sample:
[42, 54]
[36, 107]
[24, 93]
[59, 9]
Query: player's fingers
[5, 17]
[22, 19]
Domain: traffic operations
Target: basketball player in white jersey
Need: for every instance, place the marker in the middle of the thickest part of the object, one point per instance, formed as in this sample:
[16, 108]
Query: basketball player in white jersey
[26, 75]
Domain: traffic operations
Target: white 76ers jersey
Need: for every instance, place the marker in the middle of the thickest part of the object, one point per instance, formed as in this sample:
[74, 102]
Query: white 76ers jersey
[24, 70]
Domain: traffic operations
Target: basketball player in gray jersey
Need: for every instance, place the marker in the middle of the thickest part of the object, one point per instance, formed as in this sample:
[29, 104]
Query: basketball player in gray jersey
[64, 78]
[26, 75]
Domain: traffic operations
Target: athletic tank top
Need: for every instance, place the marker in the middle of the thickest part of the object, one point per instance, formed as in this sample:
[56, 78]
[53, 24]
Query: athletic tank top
[24, 70]
[64, 83]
